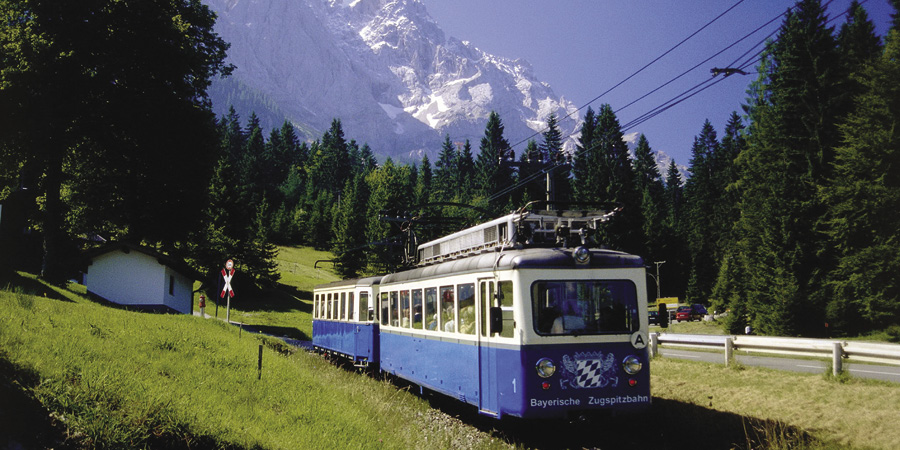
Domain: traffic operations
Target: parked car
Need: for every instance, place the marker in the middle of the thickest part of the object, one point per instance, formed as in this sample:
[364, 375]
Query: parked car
[698, 311]
[683, 313]
[689, 313]
[653, 319]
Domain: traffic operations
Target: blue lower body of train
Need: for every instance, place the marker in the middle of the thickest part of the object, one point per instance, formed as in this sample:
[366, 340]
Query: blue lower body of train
[502, 380]
[499, 379]
[357, 342]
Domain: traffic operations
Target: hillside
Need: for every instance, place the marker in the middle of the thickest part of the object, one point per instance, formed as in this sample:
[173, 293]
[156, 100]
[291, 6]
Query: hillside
[77, 374]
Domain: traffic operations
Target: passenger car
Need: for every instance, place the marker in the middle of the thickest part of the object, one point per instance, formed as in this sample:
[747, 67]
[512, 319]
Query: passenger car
[683, 313]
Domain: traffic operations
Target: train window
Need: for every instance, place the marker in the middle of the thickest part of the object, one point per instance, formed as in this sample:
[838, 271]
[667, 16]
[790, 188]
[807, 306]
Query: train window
[487, 297]
[448, 322]
[316, 306]
[343, 306]
[505, 291]
[384, 308]
[585, 307]
[395, 312]
[466, 304]
[404, 309]
[431, 318]
[417, 309]
[363, 309]
[350, 305]
[335, 307]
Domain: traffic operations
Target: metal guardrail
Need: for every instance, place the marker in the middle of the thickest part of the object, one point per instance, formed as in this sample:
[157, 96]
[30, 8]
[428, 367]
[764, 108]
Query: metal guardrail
[836, 349]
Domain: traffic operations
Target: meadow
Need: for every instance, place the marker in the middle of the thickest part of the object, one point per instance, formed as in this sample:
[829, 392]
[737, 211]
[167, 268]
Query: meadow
[78, 374]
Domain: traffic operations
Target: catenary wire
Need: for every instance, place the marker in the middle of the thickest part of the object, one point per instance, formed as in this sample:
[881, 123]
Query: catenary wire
[685, 95]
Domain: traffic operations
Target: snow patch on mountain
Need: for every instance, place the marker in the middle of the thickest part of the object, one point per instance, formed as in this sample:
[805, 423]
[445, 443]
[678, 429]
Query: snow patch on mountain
[384, 68]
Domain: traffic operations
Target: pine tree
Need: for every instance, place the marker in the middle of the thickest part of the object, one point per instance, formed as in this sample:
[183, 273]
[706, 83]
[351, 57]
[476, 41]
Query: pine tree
[492, 173]
[864, 204]
[605, 174]
[423, 183]
[390, 193]
[790, 149]
[530, 164]
[586, 157]
[674, 250]
[650, 187]
[350, 231]
[552, 152]
[702, 195]
[857, 42]
[446, 171]
[465, 174]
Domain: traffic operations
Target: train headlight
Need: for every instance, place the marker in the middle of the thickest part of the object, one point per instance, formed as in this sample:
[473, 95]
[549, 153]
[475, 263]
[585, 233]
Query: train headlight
[631, 364]
[545, 368]
[582, 255]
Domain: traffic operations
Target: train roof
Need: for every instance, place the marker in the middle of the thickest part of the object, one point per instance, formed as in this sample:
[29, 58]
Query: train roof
[528, 258]
[368, 281]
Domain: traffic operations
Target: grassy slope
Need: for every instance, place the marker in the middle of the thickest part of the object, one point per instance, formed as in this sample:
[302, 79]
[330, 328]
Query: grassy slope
[285, 311]
[112, 378]
[123, 379]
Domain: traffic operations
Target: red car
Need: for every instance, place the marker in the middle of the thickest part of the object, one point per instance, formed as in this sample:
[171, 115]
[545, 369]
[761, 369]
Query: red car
[689, 313]
[683, 313]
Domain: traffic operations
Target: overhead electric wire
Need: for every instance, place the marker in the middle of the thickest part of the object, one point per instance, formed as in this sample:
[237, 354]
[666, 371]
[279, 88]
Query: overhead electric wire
[685, 95]
[710, 58]
[670, 50]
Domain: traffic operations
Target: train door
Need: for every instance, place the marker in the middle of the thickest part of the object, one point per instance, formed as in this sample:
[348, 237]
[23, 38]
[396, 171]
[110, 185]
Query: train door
[487, 363]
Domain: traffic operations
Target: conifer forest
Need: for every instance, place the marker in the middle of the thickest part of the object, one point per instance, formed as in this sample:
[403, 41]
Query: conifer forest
[789, 218]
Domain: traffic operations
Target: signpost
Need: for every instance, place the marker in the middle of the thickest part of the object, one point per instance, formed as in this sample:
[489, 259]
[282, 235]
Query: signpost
[227, 292]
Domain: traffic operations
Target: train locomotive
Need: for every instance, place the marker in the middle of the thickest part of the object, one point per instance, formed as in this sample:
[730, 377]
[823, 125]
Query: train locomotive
[521, 316]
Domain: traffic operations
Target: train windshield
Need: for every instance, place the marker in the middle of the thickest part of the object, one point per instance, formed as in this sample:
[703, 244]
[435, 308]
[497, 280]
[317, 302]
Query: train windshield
[581, 307]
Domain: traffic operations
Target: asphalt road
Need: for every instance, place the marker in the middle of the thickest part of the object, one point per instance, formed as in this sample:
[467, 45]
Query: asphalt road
[872, 371]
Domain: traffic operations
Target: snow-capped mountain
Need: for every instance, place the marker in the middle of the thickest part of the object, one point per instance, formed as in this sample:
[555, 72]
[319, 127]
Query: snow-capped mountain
[383, 67]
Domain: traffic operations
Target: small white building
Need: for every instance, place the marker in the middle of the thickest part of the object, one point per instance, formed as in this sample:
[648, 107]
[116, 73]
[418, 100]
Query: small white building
[140, 277]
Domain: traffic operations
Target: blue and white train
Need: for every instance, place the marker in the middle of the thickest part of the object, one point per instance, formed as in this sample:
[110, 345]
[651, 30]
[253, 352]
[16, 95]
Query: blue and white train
[508, 316]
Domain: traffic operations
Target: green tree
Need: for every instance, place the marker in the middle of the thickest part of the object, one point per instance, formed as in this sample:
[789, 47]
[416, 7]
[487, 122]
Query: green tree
[586, 157]
[492, 174]
[530, 164]
[608, 176]
[350, 229]
[864, 203]
[446, 172]
[674, 249]
[552, 152]
[97, 80]
[465, 173]
[702, 195]
[390, 192]
[651, 193]
[423, 183]
[790, 147]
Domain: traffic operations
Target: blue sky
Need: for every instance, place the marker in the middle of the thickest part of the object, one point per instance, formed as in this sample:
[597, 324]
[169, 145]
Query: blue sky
[584, 47]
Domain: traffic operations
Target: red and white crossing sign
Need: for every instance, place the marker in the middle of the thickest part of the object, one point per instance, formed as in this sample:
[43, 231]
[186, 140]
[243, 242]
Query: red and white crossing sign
[227, 275]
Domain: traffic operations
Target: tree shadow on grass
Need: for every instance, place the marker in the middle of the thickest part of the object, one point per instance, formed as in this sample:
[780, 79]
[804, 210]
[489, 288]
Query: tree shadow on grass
[281, 299]
[17, 283]
[667, 425]
[289, 332]
[26, 423]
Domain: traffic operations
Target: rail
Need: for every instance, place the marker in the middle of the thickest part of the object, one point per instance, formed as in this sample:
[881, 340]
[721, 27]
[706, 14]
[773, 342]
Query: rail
[837, 350]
